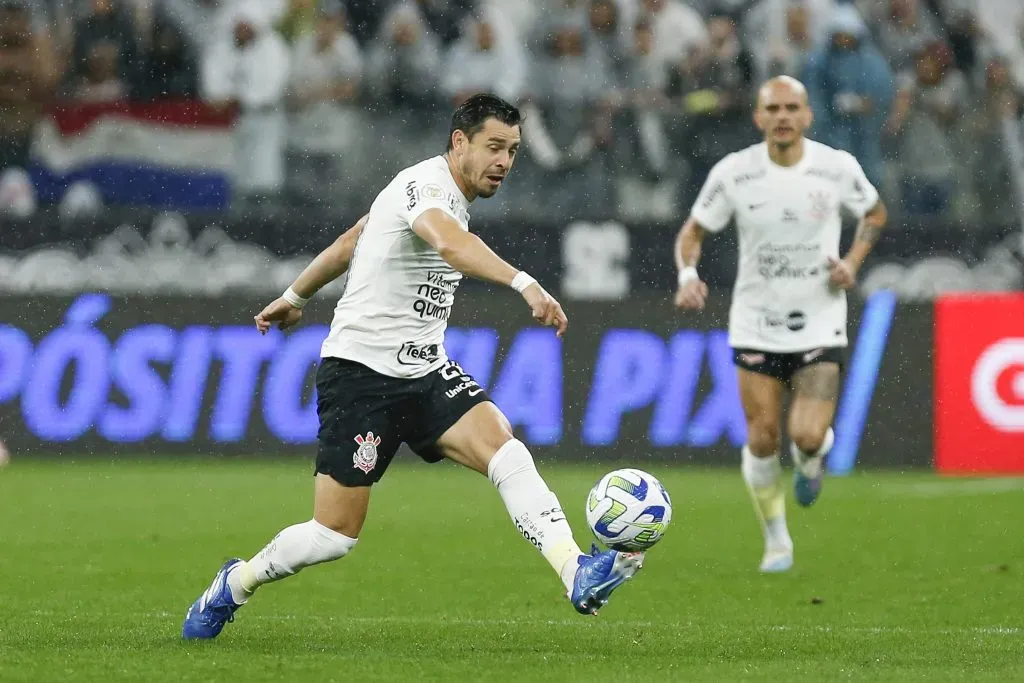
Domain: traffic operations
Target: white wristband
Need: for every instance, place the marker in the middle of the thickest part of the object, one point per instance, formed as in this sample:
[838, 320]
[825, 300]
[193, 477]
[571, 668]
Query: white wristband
[294, 299]
[521, 281]
[687, 274]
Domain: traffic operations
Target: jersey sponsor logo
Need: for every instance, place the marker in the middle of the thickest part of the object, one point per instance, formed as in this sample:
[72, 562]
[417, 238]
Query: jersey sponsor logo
[716, 190]
[794, 321]
[748, 177]
[412, 353]
[788, 261]
[789, 216]
[434, 298]
[410, 193]
[365, 457]
[832, 176]
[821, 205]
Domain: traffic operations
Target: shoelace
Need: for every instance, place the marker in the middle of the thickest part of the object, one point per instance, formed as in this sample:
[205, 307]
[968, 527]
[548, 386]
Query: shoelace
[214, 614]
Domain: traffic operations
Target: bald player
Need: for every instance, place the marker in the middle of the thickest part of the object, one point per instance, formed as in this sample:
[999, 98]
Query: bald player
[787, 322]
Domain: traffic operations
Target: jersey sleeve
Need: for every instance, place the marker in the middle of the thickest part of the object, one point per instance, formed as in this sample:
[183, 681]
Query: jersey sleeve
[714, 206]
[424, 193]
[857, 193]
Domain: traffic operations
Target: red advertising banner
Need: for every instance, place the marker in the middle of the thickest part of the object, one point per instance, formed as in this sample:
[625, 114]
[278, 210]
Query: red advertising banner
[979, 384]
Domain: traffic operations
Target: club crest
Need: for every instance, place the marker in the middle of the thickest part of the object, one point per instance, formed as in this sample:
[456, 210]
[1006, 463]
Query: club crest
[821, 204]
[365, 457]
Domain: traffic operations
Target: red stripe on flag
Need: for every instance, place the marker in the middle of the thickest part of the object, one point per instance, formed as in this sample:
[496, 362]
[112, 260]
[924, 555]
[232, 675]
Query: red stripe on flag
[72, 119]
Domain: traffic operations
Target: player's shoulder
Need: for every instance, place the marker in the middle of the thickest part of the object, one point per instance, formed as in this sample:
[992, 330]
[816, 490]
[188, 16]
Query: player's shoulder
[736, 166]
[432, 170]
[825, 154]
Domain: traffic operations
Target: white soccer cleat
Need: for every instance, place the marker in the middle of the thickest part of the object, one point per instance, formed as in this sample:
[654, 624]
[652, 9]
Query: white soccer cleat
[777, 561]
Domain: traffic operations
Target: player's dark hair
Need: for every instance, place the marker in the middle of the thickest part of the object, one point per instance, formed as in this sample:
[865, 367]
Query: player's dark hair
[471, 115]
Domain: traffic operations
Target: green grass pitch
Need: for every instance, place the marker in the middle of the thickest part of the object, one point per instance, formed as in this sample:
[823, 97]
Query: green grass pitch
[898, 578]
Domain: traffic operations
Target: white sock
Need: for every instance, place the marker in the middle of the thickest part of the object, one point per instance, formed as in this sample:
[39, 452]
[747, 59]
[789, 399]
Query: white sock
[811, 463]
[534, 508]
[763, 478]
[294, 548]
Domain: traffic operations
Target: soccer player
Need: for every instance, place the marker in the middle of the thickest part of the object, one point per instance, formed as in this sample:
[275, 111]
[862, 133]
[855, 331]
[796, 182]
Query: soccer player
[787, 322]
[385, 379]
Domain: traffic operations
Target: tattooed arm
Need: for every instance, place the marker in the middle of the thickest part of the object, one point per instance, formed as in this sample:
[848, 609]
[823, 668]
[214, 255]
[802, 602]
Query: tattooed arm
[868, 232]
[843, 272]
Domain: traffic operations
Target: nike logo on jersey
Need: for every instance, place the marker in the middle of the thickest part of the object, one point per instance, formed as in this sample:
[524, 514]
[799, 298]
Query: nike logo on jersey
[755, 207]
[811, 355]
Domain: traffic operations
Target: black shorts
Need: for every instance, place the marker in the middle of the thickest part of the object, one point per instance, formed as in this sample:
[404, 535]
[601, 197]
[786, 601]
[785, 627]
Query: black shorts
[365, 416]
[782, 366]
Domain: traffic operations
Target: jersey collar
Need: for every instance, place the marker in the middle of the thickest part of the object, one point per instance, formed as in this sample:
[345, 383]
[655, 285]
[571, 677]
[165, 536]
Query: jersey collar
[798, 167]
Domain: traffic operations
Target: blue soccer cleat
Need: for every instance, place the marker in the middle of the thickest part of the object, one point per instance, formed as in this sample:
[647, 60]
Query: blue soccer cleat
[214, 608]
[806, 489]
[600, 573]
[809, 471]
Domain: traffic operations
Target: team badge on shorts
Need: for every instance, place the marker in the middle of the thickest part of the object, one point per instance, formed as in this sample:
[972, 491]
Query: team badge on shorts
[365, 457]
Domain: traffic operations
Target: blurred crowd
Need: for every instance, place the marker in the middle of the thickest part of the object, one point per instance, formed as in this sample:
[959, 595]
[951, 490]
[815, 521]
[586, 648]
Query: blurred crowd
[629, 102]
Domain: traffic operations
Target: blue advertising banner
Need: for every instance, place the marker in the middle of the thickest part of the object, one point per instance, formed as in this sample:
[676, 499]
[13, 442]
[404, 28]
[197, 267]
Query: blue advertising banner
[101, 375]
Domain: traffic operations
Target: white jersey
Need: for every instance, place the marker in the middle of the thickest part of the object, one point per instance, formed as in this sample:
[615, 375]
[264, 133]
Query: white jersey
[399, 294]
[789, 224]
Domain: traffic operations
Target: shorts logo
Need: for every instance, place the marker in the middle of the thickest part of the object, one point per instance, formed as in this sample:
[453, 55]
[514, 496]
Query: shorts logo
[752, 358]
[365, 457]
[811, 355]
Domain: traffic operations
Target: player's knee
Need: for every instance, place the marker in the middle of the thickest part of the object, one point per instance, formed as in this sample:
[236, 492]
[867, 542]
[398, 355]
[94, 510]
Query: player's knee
[496, 437]
[328, 544]
[338, 525]
[491, 441]
[511, 459]
[763, 438]
[808, 437]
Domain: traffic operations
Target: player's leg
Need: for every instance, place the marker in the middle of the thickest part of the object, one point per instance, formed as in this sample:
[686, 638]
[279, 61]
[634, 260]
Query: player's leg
[338, 515]
[482, 440]
[815, 392]
[761, 395]
[357, 440]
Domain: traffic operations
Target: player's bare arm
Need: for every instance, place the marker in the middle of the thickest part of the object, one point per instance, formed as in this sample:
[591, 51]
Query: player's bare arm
[843, 272]
[470, 255]
[692, 292]
[329, 265]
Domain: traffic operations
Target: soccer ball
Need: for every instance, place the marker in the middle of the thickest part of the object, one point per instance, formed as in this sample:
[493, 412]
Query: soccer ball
[628, 510]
